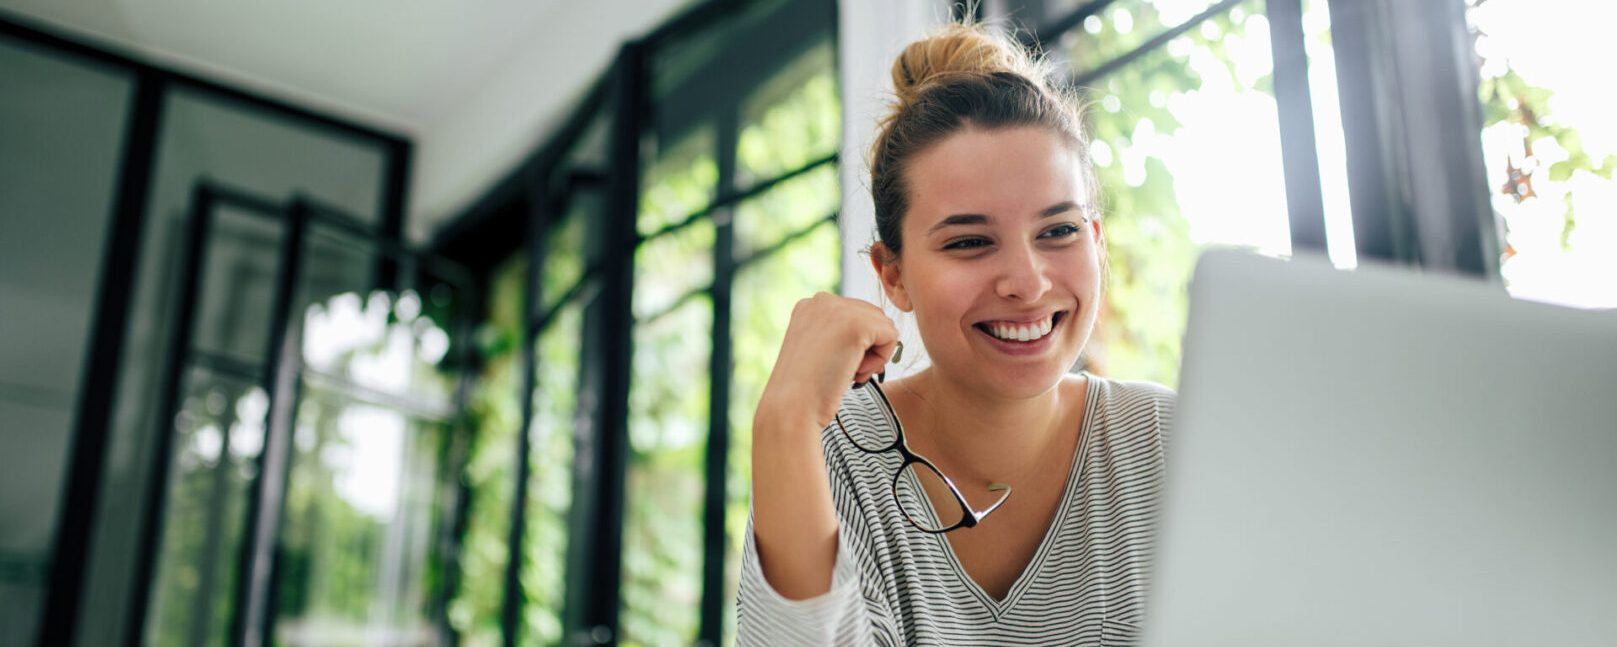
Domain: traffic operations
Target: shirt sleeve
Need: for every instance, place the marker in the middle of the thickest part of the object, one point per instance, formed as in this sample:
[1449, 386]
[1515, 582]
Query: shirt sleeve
[765, 618]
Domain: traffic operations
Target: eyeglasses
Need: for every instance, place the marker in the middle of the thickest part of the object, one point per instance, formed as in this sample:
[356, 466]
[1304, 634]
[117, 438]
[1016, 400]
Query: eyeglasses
[911, 493]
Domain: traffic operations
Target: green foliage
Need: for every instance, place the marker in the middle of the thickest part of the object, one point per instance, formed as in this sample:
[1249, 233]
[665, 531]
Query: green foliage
[1150, 249]
[672, 266]
[669, 415]
[791, 206]
[550, 487]
[490, 479]
[348, 559]
[680, 182]
[668, 421]
[792, 132]
[669, 394]
[361, 494]
[1143, 226]
[195, 574]
[564, 257]
[764, 294]
[1507, 98]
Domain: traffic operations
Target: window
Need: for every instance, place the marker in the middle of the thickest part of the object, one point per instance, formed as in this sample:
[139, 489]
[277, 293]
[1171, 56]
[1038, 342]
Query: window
[1182, 118]
[735, 211]
[489, 472]
[1550, 149]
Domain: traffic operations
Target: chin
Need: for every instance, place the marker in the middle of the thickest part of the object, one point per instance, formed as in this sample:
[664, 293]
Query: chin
[1017, 382]
[1033, 382]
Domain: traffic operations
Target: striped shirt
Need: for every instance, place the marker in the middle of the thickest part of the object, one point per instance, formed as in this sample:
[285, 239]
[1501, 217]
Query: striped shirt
[895, 585]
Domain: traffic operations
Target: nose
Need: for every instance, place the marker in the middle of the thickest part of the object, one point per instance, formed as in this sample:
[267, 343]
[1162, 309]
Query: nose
[1023, 274]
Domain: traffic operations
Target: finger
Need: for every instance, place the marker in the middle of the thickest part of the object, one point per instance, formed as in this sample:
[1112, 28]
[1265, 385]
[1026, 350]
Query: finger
[871, 363]
[885, 349]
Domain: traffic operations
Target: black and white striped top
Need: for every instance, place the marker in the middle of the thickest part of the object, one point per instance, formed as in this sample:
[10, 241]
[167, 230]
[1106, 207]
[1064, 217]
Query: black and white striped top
[895, 585]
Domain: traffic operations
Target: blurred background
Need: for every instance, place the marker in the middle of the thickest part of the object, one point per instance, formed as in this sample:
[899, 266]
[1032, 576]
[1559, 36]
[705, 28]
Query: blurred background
[377, 323]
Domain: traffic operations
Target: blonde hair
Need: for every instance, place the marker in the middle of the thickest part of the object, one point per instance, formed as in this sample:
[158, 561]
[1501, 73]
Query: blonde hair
[963, 76]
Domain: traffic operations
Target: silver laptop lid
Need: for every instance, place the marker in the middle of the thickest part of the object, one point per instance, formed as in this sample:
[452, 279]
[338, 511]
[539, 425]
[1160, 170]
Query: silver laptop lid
[1383, 458]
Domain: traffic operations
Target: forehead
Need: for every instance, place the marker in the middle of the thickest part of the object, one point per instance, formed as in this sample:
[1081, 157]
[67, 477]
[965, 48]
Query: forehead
[1000, 173]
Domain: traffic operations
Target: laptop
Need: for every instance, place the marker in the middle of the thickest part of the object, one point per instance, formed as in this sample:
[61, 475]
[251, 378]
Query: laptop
[1382, 457]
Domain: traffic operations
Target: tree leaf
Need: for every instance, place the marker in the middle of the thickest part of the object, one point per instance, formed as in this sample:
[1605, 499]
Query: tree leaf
[1561, 171]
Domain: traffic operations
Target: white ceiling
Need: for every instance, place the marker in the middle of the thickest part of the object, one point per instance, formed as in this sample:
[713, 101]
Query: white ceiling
[476, 85]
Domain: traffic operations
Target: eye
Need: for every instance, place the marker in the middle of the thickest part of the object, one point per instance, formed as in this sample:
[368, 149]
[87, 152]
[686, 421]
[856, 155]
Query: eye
[1066, 230]
[969, 242]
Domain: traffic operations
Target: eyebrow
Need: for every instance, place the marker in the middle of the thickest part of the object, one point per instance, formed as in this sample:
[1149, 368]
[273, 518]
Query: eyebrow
[961, 219]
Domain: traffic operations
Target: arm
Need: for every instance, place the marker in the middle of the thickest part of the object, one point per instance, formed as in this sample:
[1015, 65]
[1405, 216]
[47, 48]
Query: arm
[830, 343]
[794, 522]
[799, 583]
[841, 613]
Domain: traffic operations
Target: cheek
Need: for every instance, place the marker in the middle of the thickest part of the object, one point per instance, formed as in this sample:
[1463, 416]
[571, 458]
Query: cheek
[1082, 263]
[944, 295]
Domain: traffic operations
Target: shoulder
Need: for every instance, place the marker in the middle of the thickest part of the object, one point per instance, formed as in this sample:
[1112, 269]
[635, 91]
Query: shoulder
[1113, 393]
[1133, 407]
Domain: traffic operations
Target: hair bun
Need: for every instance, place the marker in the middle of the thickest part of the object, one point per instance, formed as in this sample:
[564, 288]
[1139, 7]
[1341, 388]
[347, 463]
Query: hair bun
[958, 51]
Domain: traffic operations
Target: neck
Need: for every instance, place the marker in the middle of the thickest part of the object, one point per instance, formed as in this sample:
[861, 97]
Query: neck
[984, 437]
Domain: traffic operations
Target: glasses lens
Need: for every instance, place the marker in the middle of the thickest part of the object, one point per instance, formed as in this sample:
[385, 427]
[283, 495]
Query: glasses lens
[917, 488]
[868, 421]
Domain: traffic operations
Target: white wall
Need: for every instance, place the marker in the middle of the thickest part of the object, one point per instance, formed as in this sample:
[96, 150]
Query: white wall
[465, 152]
[871, 34]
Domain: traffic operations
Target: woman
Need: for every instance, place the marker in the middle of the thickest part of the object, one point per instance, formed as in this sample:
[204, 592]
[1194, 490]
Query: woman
[1039, 531]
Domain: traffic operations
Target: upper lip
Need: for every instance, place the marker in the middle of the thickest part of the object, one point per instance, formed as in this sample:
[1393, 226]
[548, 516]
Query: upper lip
[1025, 319]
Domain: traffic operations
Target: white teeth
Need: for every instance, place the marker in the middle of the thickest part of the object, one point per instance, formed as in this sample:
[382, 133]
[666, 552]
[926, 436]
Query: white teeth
[1024, 332]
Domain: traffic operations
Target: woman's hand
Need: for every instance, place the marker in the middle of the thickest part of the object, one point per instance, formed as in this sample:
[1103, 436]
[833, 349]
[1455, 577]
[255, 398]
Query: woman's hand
[831, 342]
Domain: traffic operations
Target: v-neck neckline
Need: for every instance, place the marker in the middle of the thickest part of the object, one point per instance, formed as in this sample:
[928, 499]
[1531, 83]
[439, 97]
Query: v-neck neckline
[1030, 571]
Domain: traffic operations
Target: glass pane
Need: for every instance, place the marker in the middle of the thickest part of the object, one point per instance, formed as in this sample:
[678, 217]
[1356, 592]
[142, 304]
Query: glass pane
[495, 416]
[241, 263]
[1550, 147]
[564, 249]
[373, 339]
[64, 131]
[235, 144]
[680, 181]
[371, 423]
[219, 434]
[668, 424]
[205, 512]
[62, 121]
[204, 136]
[671, 266]
[550, 490]
[358, 523]
[792, 120]
[1162, 129]
[1120, 27]
[787, 208]
[764, 294]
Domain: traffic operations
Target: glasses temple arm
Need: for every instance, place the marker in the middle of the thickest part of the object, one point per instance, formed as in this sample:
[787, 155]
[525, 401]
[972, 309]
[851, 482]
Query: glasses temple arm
[995, 487]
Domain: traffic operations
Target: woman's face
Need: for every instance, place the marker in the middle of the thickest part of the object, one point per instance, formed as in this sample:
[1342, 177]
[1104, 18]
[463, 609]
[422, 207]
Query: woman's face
[1001, 264]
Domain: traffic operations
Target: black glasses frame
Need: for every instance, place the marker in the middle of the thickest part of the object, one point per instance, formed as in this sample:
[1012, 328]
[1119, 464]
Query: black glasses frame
[969, 516]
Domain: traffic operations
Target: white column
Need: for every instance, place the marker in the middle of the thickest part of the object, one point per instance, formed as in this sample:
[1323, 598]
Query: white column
[870, 36]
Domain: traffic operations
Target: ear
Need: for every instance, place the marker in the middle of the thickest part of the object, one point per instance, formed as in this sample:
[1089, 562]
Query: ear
[891, 275]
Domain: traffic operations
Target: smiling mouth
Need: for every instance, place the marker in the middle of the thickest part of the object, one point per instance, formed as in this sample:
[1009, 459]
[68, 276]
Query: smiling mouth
[1024, 332]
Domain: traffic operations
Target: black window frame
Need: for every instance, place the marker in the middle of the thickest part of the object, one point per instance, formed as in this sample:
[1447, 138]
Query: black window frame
[524, 208]
[83, 479]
